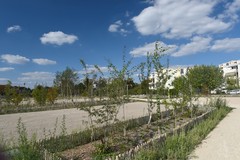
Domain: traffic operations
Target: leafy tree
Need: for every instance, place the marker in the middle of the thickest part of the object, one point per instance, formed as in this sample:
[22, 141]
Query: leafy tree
[8, 92]
[52, 94]
[162, 75]
[80, 88]
[12, 94]
[101, 87]
[184, 92]
[40, 94]
[205, 78]
[231, 83]
[66, 81]
[17, 97]
[153, 64]
[145, 71]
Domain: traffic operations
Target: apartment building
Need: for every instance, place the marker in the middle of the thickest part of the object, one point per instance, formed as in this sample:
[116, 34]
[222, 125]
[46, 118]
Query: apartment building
[170, 73]
[231, 70]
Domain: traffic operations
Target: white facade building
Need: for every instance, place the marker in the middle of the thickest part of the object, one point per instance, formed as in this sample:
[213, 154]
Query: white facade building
[231, 69]
[171, 73]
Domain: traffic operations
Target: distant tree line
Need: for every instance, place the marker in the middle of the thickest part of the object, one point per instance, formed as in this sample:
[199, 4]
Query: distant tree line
[202, 79]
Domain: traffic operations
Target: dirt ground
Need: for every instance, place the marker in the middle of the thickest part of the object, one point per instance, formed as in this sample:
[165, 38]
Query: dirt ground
[221, 143]
[36, 122]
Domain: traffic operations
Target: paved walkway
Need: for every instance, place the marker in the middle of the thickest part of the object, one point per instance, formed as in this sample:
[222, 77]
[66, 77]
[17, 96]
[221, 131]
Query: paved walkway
[223, 143]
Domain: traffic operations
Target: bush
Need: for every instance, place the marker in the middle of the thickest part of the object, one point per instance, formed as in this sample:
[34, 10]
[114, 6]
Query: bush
[52, 94]
[40, 95]
[27, 149]
[179, 146]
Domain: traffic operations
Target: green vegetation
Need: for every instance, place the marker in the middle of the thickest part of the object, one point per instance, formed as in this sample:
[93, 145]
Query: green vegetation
[66, 81]
[40, 95]
[52, 95]
[12, 95]
[179, 146]
[205, 78]
[112, 93]
[27, 149]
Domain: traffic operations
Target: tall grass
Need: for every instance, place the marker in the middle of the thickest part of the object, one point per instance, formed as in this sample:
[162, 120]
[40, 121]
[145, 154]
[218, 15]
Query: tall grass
[27, 149]
[179, 146]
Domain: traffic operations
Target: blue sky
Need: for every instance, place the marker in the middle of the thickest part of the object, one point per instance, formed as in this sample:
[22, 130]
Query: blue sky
[39, 38]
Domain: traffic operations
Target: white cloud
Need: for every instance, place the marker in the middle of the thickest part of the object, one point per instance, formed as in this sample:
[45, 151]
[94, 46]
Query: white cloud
[180, 66]
[4, 69]
[113, 28]
[91, 68]
[14, 28]
[179, 19]
[149, 48]
[4, 79]
[42, 61]
[227, 44]
[32, 78]
[58, 38]
[197, 44]
[231, 11]
[14, 59]
[117, 27]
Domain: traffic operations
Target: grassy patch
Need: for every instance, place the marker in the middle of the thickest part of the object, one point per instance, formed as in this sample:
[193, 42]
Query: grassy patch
[179, 146]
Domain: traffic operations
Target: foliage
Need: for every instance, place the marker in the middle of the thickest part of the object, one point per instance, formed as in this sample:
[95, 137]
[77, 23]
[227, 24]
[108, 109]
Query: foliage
[40, 95]
[65, 81]
[232, 83]
[205, 78]
[12, 94]
[61, 143]
[162, 76]
[179, 146]
[27, 149]
[8, 92]
[184, 92]
[153, 63]
[52, 94]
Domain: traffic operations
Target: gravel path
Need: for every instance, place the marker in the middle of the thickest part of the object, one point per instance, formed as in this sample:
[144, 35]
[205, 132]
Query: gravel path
[36, 122]
[223, 143]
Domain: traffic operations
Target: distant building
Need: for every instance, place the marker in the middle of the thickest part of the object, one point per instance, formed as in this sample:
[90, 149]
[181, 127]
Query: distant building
[171, 73]
[231, 70]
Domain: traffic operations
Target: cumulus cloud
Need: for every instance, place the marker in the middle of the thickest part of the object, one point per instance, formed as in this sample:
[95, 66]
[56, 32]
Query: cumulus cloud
[231, 11]
[181, 66]
[150, 47]
[42, 61]
[14, 59]
[4, 79]
[14, 28]
[33, 78]
[197, 44]
[91, 68]
[117, 27]
[4, 69]
[58, 38]
[37, 77]
[227, 45]
[179, 19]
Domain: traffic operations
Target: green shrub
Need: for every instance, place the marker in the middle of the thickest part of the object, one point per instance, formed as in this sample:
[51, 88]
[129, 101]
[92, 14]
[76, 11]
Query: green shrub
[40, 95]
[179, 146]
[27, 149]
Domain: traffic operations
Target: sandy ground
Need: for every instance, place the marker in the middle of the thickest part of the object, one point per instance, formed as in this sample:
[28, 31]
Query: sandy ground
[223, 143]
[36, 122]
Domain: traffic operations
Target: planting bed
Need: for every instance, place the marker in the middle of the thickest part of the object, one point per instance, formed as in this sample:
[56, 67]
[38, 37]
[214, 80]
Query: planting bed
[136, 135]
